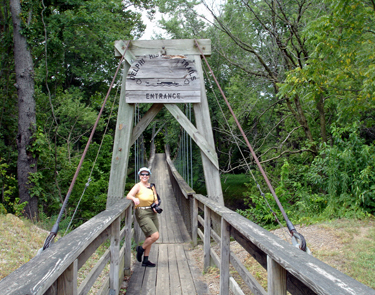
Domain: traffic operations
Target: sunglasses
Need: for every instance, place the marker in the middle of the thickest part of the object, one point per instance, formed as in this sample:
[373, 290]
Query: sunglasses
[143, 174]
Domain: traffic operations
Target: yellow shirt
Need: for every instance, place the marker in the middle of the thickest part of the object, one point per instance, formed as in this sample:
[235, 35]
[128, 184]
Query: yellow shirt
[145, 196]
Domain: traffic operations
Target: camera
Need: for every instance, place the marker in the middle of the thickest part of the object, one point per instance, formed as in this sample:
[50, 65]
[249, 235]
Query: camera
[156, 207]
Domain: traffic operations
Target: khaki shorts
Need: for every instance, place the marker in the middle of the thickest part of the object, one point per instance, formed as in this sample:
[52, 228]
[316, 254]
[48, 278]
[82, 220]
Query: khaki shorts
[147, 220]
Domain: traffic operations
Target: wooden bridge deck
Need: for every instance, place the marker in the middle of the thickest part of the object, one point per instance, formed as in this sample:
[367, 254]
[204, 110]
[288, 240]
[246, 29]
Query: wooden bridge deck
[175, 271]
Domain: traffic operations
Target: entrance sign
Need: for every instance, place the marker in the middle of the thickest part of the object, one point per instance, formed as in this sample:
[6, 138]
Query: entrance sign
[163, 73]
[157, 78]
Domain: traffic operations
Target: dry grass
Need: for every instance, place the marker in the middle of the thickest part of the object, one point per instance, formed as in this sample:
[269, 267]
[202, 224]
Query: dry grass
[20, 241]
[347, 245]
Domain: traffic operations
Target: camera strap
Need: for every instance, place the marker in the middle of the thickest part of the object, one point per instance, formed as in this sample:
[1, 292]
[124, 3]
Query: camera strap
[157, 195]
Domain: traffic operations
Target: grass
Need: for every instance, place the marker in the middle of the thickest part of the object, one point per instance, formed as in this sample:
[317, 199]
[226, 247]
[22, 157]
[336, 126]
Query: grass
[20, 241]
[356, 253]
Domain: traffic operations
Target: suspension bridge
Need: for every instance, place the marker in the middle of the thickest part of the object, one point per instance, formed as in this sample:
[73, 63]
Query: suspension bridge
[167, 73]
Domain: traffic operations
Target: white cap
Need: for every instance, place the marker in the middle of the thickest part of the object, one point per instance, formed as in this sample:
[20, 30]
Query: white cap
[144, 169]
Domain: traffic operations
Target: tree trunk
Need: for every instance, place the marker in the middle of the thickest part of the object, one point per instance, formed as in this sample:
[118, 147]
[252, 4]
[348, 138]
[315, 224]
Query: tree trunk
[26, 162]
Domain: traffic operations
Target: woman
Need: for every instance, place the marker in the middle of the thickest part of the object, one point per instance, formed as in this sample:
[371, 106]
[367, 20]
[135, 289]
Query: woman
[143, 194]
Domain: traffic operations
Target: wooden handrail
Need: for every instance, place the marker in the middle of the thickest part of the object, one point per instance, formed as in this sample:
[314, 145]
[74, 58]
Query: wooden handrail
[55, 270]
[289, 268]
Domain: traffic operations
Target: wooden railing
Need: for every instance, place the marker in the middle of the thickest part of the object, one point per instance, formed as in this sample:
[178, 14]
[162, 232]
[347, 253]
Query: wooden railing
[55, 270]
[288, 268]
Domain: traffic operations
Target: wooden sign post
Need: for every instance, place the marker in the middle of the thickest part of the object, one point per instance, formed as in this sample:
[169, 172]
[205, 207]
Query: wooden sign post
[163, 72]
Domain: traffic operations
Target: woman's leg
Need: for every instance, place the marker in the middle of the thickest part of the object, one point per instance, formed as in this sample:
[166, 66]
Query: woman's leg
[148, 243]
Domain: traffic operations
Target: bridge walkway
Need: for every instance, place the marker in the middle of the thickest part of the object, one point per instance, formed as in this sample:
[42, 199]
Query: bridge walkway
[176, 271]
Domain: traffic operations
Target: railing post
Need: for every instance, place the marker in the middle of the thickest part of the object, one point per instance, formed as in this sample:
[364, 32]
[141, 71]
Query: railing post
[207, 237]
[194, 222]
[128, 240]
[67, 282]
[225, 257]
[276, 278]
[115, 257]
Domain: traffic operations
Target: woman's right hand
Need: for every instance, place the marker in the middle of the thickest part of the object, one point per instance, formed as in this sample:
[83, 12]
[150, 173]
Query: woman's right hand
[136, 201]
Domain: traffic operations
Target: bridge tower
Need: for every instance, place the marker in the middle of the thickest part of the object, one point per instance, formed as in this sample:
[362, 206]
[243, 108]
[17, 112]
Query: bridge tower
[165, 73]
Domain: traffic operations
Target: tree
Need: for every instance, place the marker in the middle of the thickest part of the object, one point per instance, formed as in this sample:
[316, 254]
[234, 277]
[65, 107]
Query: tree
[27, 160]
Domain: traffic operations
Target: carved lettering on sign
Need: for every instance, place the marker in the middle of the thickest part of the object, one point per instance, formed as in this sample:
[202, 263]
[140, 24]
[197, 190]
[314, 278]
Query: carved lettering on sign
[135, 68]
[155, 78]
[163, 96]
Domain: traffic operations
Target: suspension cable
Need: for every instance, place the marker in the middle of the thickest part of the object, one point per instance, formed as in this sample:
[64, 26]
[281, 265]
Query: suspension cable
[55, 227]
[289, 224]
[244, 158]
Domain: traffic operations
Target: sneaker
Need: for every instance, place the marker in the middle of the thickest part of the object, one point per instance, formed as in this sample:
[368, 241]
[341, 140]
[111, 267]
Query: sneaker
[148, 263]
[140, 251]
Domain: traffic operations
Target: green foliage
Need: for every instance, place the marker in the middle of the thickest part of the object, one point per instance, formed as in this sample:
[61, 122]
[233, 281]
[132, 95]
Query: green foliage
[8, 184]
[234, 187]
[18, 207]
[345, 173]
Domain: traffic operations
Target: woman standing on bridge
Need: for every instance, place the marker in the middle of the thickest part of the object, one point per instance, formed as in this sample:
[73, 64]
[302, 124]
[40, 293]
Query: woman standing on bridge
[143, 194]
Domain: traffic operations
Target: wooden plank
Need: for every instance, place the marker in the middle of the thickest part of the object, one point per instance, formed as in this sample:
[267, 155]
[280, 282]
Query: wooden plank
[104, 290]
[135, 283]
[128, 241]
[145, 121]
[194, 222]
[162, 272]
[207, 148]
[67, 282]
[203, 123]
[121, 147]
[170, 213]
[201, 288]
[174, 279]
[158, 172]
[246, 276]
[147, 69]
[114, 283]
[150, 279]
[235, 288]
[276, 278]
[214, 206]
[169, 47]
[86, 254]
[225, 257]
[252, 249]
[120, 49]
[183, 235]
[207, 238]
[187, 283]
[153, 84]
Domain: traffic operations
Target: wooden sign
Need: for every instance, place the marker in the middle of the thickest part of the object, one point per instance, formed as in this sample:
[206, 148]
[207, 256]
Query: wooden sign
[163, 79]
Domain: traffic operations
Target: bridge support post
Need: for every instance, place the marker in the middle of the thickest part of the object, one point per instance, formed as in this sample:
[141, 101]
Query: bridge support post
[204, 126]
[276, 278]
[121, 146]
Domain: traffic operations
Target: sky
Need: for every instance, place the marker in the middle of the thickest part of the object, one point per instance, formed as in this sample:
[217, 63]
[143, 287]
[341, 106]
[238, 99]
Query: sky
[152, 25]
